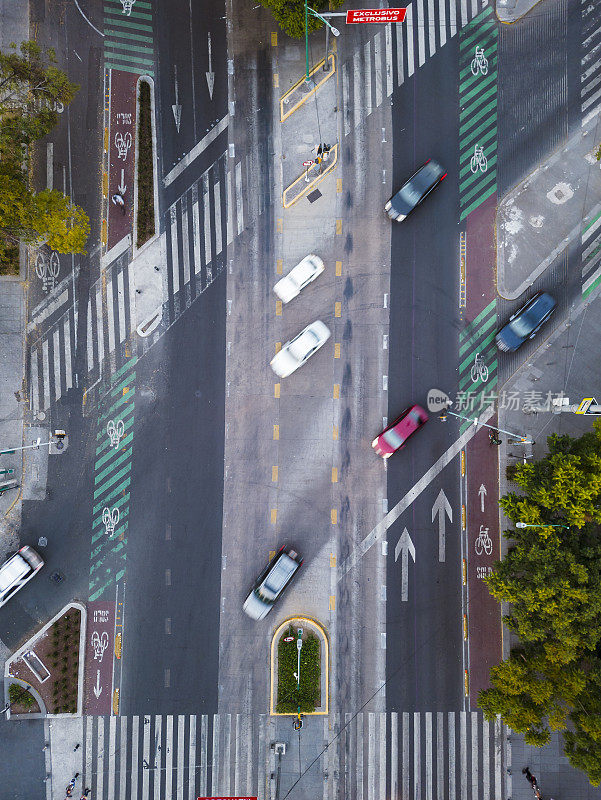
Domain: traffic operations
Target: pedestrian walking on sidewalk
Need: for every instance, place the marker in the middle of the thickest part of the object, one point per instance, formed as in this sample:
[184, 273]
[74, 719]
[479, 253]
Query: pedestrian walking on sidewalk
[118, 200]
[529, 776]
[77, 746]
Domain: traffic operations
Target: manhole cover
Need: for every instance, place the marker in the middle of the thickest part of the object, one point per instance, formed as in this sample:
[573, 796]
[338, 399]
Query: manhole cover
[42, 541]
[56, 577]
[314, 195]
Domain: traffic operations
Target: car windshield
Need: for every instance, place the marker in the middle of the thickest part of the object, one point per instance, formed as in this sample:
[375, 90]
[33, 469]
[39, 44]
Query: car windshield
[524, 324]
[410, 194]
[303, 345]
[392, 438]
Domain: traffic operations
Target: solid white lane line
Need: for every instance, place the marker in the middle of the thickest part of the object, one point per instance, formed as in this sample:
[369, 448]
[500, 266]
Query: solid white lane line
[229, 207]
[185, 240]
[346, 99]
[440, 754]
[100, 762]
[411, 495]
[206, 208]
[217, 199]
[68, 361]
[359, 741]
[394, 756]
[90, 342]
[429, 775]
[110, 315]
[181, 721]
[192, 761]
[451, 721]
[123, 765]
[398, 32]
[357, 88]
[431, 27]
[417, 754]
[378, 65]
[498, 745]
[174, 250]
[452, 18]
[410, 55]
[389, 82]
[57, 363]
[145, 759]
[196, 238]
[463, 751]
[46, 373]
[464, 17]
[485, 758]
[215, 770]
[110, 795]
[382, 755]
[99, 323]
[367, 77]
[121, 299]
[224, 784]
[239, 199]
[442, 10]
[34, 392]
[474, 753]
[204, 754]
[158, 753]
[169, 758]
[421, 33]
[371, 758]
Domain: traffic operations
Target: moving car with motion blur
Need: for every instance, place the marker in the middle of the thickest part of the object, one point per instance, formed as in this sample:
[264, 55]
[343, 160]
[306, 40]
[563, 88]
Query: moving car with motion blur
[415, 190]
[302, 275]
[395, 436]
[526, 322]
[17, 571]
[271, 583]
[298, 350]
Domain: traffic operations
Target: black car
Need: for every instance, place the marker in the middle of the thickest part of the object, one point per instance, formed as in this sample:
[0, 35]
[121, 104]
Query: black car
[525, 323]
[418, 187]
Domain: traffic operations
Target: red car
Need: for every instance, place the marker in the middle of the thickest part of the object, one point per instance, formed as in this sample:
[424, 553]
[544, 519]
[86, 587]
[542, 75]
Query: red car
[395, 436]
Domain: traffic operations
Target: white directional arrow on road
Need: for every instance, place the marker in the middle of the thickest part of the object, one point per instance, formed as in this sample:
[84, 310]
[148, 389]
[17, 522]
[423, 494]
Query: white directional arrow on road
[210, 74]
[441, 507]
[122, 186]
[177, 109]
[482, 493]
[404, 546]
[98, 688]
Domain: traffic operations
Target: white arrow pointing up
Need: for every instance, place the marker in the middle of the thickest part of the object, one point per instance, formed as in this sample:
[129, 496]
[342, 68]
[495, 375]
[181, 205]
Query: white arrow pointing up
[98, 687]
[441, 507]
[176, 108]
[210, 74]
[482, 493]
[404, 546]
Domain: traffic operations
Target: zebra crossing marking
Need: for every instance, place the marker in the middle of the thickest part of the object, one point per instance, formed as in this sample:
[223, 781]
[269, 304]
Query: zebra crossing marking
[125, 49]
[590, 78]
[591, 254]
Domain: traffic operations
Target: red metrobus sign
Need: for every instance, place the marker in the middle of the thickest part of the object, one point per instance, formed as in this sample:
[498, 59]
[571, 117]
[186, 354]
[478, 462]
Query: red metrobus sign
[376, 15]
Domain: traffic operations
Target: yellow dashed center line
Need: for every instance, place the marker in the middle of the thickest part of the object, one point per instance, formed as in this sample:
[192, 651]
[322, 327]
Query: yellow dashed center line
[276, 432]
[335, 433]
[334, 474]
[276, 391]
[337, 350]
[336, 391]
[337, 309]
[332, 602]
[278, 308]
[334, 516]
[338, 226]
[274, 515]
[338, 269]
[279, 265]
[274, 474]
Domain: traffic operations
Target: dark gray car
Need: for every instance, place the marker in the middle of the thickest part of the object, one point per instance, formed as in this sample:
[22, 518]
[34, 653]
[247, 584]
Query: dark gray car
[525, 323]
[416, 189]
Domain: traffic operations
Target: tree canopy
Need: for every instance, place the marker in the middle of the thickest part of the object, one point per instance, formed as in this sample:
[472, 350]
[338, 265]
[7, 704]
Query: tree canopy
[32, 89]
[551, 577]
[290, 14]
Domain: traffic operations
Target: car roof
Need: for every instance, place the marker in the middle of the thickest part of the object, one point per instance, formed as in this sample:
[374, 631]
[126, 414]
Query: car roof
[427, 175]
[409, 424]
[13, 570]
[277, 577]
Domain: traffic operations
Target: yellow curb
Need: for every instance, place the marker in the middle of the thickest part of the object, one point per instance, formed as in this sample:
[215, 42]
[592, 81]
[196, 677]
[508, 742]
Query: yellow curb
[305, 97]
[327, 663]
[316, 181]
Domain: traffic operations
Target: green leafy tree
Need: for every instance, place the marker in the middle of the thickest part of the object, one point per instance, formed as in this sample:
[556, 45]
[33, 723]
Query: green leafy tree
[551, 579]
[31, 90]
[290, 14]
[46, 217]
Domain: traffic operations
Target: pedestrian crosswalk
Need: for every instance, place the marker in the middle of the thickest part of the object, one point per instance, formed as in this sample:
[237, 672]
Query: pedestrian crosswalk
[591, 253]
[590, 78]
[365, 756]
[478, 378]
[394, 53]
[198, 227]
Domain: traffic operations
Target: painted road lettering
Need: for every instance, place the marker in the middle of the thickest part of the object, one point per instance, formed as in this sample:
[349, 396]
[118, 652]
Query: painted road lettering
[99, 657]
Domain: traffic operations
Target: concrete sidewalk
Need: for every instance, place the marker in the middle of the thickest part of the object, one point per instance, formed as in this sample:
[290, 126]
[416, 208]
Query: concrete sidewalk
[547, 211]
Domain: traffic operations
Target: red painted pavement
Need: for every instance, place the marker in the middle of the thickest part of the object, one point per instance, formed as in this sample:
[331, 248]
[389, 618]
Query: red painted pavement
[122, 138]
[100, 648]
[482, 469]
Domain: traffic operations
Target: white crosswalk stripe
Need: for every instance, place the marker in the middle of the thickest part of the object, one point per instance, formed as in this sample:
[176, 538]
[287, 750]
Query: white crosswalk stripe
[591, 253]
[365, 80]
[590, 90]
[400, 756]
[52, 353]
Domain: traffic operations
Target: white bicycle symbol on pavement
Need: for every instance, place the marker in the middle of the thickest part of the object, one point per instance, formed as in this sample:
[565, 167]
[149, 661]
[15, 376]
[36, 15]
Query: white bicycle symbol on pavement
[479, 370]
[127, 6]
[483, 543]
[99, 642]
[47, 269]
[123, 143]
[110, 520]
[479, 62]
[478, 160]
[115, 431]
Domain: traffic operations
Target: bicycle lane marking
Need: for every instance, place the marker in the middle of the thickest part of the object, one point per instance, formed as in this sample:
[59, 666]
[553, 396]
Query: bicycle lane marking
[121, 134]
[482, 470]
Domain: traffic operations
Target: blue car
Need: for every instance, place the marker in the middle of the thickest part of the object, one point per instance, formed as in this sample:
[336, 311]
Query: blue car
[416, 189]
[524, 324]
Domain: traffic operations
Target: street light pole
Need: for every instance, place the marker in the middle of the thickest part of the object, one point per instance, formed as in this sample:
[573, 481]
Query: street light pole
[329, 27]
[523, 439]
[541, 525]
[307, 79]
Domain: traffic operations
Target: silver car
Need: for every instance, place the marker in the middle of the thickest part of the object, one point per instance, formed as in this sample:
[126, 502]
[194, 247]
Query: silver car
[17, 571]
[271, 583]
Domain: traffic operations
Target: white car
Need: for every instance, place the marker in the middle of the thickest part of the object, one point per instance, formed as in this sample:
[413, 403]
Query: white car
[300, 276]
[295, 352]
[17, 571]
